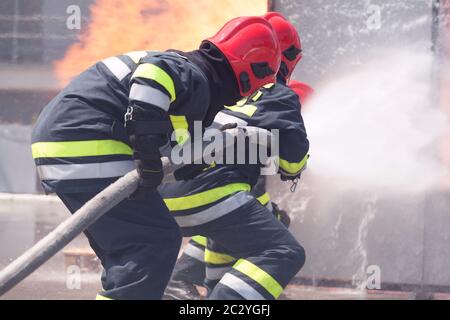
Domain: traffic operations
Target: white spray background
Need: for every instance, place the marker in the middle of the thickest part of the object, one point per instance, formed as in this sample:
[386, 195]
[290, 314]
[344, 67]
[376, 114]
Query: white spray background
[375, 131]
[376, 127]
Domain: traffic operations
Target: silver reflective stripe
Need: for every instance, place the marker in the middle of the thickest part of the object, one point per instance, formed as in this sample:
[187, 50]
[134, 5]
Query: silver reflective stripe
[223, 119]
[117, 67]
[150, 95]
[194, 252]
[214, 212]
[216, 273]
[85, 171]
[241, 287]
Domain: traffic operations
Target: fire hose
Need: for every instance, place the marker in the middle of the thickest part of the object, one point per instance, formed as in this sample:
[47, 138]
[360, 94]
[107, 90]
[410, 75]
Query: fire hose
[94, 209]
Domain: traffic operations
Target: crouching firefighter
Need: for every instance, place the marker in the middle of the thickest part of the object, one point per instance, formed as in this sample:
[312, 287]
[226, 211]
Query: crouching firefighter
[83, 141]
[249, 253]
[190, 269]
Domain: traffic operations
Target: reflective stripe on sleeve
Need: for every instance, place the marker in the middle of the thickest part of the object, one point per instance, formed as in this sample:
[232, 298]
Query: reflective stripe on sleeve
[155, 73]
[194, 252]
[85, 171]
[204, 198]
[219, 210]
[264, 199]
[136, 55]
[241, 287]
[149, 95]
[180, 126]
[293, 167]
[247, 109]
[260, 276]
[71, 149]
[212, 257]
[117, 67]
[200, 240]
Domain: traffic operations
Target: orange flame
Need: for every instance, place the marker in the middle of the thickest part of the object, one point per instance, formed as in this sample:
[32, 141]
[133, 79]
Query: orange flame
[118, 26]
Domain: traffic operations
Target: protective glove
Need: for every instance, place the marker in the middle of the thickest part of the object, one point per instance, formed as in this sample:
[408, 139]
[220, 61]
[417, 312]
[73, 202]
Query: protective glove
[146, 154]
[281, 215]
[288, 177]
[151, 175]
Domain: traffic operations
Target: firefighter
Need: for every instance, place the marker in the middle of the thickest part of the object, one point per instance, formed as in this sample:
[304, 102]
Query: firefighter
[117, 115]
[190, 269]
[249, 253]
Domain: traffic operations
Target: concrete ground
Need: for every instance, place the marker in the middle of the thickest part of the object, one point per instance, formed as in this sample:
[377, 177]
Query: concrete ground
[55, 287]
[74, 273]
[50, 282]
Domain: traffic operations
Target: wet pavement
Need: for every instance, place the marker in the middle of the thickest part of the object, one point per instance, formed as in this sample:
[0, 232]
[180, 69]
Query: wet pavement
[74, 273]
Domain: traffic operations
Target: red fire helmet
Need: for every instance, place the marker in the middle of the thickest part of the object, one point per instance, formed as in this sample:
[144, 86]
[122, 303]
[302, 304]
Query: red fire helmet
[303, 90]
[290, 44]
[252, 49]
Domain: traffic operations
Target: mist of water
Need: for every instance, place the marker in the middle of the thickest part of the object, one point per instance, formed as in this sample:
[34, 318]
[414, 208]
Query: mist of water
[377, 127]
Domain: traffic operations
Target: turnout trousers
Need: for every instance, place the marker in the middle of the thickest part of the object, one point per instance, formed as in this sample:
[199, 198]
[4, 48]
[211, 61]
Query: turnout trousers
[249, 253]
[137, 242]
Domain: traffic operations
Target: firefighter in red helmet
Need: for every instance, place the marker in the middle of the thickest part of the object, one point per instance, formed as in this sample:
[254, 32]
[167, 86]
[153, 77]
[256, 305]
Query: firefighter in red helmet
[117, 115]
[247, 253]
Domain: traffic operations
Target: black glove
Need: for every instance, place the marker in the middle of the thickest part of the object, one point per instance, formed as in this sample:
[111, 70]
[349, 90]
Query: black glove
[151, 175]
[281, 215]
[146, 136]
[286, 177]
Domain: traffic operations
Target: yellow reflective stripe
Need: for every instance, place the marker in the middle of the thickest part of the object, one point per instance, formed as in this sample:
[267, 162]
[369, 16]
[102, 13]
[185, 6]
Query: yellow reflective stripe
[257, 96]
[260, 276]
[136, 55]
[264, 199]
[180, 127]
[200, 240]
[90, 148]
[212, 166]
[100, 297]
[155, 73]
[270, 85]
[293, 168]
[247, 109]
[204, 198]
[212, 257]
[241, 102]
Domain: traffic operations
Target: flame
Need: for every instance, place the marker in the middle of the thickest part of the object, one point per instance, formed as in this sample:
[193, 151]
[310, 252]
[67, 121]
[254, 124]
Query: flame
[118, 26]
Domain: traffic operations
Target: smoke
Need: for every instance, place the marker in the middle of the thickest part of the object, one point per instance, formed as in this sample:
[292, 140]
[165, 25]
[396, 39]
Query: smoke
[377, 127]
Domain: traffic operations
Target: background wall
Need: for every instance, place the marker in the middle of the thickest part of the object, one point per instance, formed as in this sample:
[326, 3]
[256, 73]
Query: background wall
[375, 193]
[368, 199]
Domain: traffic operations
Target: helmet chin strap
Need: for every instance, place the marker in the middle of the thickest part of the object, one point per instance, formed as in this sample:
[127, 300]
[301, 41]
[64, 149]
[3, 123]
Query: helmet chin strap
[223, 86]
[281, 78]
